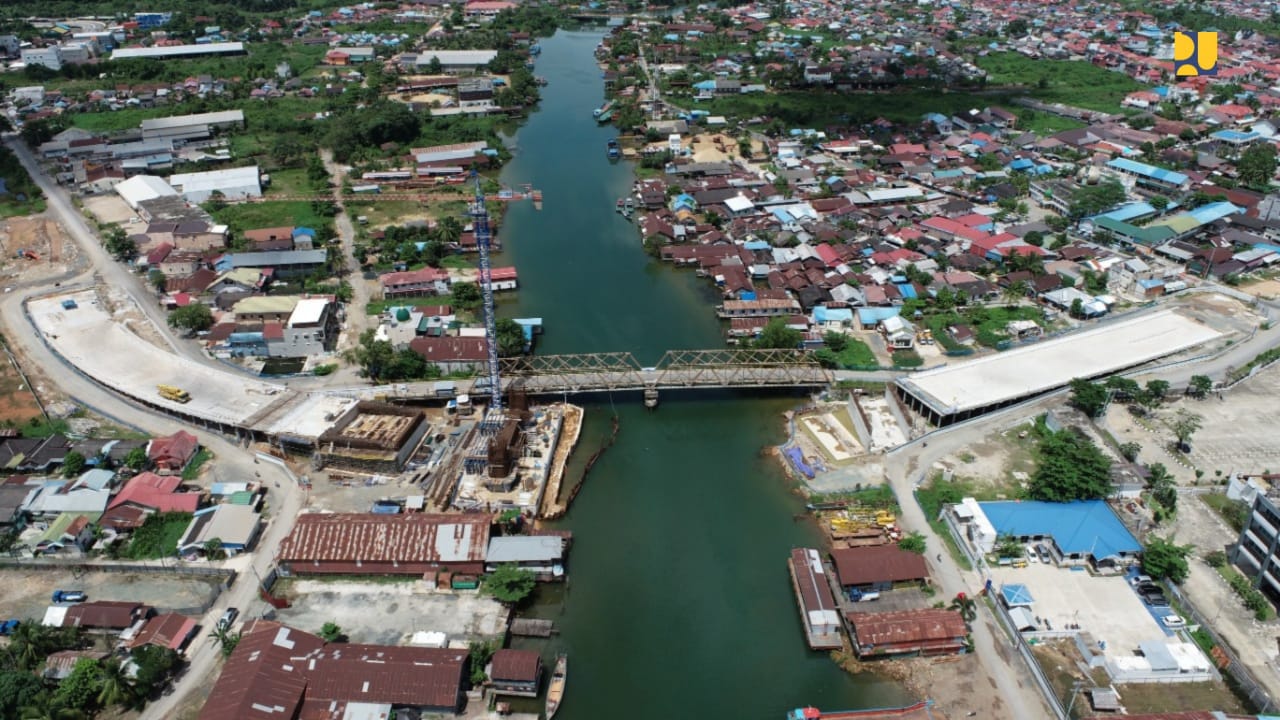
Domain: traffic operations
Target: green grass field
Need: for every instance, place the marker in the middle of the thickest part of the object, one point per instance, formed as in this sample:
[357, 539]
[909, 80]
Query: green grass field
[247, 216]
[818, 109]
[1071, 82]
[1042, 123]
[857, 354]
[291, 182]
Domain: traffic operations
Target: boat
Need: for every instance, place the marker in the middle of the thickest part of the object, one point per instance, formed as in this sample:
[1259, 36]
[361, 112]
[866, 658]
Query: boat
[614, 151]
[602, 109]
[619, 206]
[604, 117]
[629, 205]
[555, 690]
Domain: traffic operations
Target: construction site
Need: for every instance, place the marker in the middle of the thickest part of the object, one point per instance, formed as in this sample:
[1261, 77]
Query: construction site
[33, 247]
[372, 437]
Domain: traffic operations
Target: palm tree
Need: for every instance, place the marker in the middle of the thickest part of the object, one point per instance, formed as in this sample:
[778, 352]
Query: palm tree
[50, 712]
[117, 688]
[449, 230]
[1017, 291]
[965, 605]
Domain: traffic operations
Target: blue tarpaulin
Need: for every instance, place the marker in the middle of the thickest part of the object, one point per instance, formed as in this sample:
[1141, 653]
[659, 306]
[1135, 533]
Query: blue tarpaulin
[797, 459]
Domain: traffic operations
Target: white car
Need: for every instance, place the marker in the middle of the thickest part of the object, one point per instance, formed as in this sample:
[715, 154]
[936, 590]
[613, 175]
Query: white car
[1173, 621]
[1031, 554]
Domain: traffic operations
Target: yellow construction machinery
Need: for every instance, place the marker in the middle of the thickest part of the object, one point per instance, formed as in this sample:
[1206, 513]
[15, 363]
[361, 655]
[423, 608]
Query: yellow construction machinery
[176, 394]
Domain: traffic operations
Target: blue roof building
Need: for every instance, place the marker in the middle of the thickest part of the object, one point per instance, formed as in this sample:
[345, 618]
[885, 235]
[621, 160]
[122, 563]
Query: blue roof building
[871, 316]
[1149, 174]
[823, 315]
[1081, 530]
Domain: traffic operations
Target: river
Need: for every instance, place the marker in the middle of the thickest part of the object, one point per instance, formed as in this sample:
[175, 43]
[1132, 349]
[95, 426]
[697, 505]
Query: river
[679, 605]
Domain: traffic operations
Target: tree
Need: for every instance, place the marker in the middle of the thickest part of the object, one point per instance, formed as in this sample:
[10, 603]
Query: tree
[915, 542]
[1077, 308]
[1123, 388]
[118, 243]
[1162, 558]
[835, 341]
[157, 280]
[966, 606]
[136, 459]
[116, 688]
[72, 464]
[17, 690]
[1008, 546]
[372, 355]
[331, 633]
[195, 317]
[1129, 450]
[1257, 165]
[777, 335]
[1035, 237]
[227, 642]
[479, 653]
[80, 689]
[1089, 397]
[510, 338]
[155, 665]
[1200, 385]
[466, 295]
[1185, 424]
[1159, 202]
[1070, 467]
[1093, 199]
[1153, 394]
[508, 584]
[1163, 491]
[213, 549]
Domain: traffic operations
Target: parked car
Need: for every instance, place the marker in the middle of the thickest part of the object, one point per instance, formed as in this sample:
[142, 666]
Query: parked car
[1043, 553]
[228, 617]
[1031, 554]
[1173, 621]
[1140, 580]
[8, 626]
[1155, 599]
[69, 596]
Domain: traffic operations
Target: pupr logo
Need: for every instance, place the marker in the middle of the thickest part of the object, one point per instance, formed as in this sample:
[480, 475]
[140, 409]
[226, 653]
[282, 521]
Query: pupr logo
[1195, 54]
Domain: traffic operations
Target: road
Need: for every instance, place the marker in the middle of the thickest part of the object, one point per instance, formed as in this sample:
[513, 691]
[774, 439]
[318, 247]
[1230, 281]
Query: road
[356, 319]
[231, 461]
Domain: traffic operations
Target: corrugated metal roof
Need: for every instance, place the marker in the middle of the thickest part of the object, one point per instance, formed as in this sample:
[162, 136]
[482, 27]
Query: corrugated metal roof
[387, 538]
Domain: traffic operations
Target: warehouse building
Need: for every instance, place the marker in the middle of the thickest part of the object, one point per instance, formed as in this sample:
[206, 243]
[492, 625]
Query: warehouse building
[179, 52]
[232, 183]
[908, 632]
[191, 127]
[373, 544]
[954, 393]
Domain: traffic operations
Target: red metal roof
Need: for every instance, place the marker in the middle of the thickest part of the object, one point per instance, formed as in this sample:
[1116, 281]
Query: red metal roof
[157, 492]
[174, 450]
[516, 665]
[107, 614]
[416, 538]
[906, 627]
[169, 630]
[882, 564]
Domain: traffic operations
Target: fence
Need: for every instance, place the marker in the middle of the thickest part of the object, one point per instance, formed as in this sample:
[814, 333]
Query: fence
[1245, 683]
[1024, 650]
[166, 567]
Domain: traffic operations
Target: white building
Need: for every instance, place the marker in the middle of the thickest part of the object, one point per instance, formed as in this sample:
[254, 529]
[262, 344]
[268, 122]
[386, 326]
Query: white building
[140, 188]
[233, 183]
[50, 57]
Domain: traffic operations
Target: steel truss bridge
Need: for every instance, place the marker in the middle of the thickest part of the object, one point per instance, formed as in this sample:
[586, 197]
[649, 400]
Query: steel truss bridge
[676, 370]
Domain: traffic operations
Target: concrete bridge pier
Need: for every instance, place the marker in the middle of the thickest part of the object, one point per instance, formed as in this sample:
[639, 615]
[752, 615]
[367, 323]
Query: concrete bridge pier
[650, 397]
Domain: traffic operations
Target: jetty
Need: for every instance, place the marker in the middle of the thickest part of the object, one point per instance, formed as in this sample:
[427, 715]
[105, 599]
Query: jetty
[569, 432]
[532, 627]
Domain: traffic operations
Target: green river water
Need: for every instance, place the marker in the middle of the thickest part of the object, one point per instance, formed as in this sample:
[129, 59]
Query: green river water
[679, 605]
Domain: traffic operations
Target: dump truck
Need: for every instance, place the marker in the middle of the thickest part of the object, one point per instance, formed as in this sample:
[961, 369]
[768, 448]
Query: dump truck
[176, 394]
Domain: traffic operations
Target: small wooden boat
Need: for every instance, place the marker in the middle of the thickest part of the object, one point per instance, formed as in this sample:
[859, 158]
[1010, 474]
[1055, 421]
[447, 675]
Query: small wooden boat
[555, 690]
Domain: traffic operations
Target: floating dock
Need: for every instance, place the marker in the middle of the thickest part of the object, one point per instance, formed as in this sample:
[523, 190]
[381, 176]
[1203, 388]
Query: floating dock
[818, 610]
[532, 627]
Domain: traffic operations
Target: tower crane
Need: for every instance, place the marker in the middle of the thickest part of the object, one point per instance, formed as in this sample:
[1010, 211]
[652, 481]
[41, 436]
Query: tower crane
[480, 224]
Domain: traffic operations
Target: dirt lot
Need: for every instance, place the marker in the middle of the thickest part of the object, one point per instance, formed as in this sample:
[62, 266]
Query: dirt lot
[706, 150]
[17, 403]
[948, 681]
[389, 612]
[1224, 442]
[54, 253]
[110, 209]
[1062, 663]
[26, 593]
[1265, 289]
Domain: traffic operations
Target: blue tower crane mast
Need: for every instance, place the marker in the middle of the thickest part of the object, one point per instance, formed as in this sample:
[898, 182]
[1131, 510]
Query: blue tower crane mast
[480, 224]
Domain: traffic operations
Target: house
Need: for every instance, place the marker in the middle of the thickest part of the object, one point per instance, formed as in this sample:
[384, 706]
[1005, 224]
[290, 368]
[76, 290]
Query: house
[541, 554]
[167, 630]
[235, 527]
[898, 333]
[427, 281]
[373, 544]
[279, 672]
[284, 263]
[879, 568]
[172, 453]
[908, 632]
[515, 672]
[157, 493]
[101, 615]
[57, 497]
[60, 664]
[452, 354]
